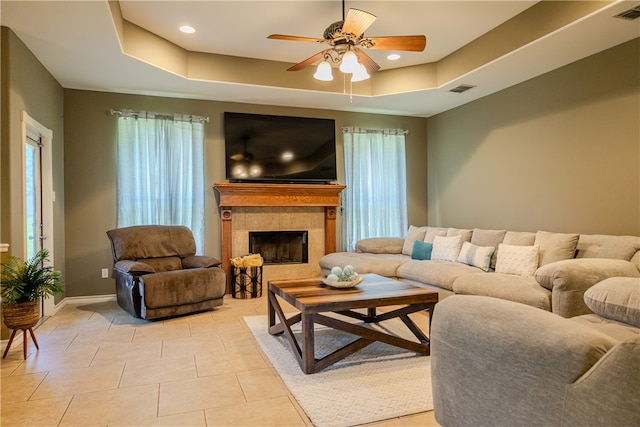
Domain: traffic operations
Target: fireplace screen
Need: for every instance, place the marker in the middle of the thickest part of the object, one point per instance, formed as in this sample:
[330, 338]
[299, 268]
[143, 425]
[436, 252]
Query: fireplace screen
[280, 247]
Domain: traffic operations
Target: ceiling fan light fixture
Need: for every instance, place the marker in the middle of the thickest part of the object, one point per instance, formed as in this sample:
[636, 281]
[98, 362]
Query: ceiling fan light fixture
[323, 72]
[349, 63]
[361, 74]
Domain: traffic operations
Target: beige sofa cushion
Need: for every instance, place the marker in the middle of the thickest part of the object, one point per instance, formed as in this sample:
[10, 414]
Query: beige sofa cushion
[380, 245]
[524, 290]
[435, 272]
[382, 264]
[616, 298]
[555, 246]
[464, 233]
[519, 238]
[603, 246]
[414, 233]
[432, 232]
[612, 328]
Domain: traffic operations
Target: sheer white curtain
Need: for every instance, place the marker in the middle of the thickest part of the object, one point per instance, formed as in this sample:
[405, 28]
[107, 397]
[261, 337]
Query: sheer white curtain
[161, 172]
[376, 178]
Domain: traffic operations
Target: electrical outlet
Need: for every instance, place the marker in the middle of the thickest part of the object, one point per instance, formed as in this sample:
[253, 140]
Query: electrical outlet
[105, 273]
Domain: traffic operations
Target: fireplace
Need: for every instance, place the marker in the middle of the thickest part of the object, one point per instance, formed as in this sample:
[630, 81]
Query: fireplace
[247, 207]
[280, 247]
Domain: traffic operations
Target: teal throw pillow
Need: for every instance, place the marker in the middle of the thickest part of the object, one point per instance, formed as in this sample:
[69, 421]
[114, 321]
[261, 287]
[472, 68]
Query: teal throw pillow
[421, 250]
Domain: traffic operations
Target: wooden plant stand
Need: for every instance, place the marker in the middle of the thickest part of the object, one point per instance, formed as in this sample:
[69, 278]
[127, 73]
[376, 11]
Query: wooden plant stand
[24, 341]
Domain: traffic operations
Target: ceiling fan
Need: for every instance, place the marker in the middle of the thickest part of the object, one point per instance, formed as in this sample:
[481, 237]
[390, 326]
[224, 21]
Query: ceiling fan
[346, 39]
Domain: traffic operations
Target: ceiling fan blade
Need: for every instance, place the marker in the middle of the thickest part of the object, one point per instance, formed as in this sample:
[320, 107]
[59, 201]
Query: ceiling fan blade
[407, 43]
[307, 62]
[357, 21]
[295, 38]
[366, 60]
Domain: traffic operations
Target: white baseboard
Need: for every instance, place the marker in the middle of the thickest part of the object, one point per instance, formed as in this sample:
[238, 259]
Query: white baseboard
[92, 299]
[66, 301]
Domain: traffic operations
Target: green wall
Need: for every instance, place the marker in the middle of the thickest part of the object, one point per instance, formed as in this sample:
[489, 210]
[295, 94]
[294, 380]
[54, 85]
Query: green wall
[27, 86]
[90, 170]
[560, 152]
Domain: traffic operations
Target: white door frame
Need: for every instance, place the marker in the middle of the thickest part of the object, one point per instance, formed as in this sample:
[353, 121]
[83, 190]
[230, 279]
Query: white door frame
[31, 126]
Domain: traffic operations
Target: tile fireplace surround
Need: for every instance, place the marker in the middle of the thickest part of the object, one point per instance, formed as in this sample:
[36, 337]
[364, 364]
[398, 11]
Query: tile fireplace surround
[248, 207]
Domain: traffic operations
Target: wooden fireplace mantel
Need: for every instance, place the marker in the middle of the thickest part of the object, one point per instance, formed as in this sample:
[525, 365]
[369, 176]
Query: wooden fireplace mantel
[232, 194]
[258, 194]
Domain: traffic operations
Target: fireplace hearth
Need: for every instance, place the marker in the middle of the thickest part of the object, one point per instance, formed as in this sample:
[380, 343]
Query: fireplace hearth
[280, 247]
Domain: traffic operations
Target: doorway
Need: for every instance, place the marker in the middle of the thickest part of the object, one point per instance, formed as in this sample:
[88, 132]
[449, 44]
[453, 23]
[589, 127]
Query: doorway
[38, 196]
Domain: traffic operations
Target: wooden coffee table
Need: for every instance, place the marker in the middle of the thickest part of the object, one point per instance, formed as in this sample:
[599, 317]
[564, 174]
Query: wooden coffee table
[312, 298]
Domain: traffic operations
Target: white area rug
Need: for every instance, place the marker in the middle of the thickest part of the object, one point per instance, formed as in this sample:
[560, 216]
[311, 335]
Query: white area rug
[376, 383]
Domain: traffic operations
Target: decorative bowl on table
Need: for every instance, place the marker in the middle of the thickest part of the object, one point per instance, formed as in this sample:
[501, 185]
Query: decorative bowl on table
[340, 277]
[343, 285]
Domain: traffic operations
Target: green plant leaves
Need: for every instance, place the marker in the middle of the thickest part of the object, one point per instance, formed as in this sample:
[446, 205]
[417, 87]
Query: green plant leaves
[29, 280]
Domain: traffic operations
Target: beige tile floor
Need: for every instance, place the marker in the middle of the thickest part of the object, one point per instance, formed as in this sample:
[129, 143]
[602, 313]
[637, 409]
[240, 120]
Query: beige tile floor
[98, 366]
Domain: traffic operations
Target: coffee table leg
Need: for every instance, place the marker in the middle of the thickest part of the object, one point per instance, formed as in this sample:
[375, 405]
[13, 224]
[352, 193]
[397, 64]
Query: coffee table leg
[272, 311]
[308, 347]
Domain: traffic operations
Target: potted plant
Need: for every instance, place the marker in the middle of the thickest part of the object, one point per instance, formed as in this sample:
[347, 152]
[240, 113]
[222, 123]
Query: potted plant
[22, 284]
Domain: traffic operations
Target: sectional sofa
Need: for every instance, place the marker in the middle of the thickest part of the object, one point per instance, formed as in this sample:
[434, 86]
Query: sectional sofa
[498, 363]
[547, 270]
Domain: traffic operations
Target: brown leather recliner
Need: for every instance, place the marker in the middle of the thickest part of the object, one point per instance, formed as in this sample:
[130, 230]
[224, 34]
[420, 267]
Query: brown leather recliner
[158, 274]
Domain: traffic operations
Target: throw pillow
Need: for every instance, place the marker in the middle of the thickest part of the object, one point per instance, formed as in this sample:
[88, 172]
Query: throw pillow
[616, 298]
[421, 250]
[519, 260]
[432, 232]
[493, 238]
[446, 248]
[477, 256]
[555, 246]
[414, 233]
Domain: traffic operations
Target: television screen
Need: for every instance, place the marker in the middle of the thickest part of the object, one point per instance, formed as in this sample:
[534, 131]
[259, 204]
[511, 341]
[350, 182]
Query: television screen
[264, 148]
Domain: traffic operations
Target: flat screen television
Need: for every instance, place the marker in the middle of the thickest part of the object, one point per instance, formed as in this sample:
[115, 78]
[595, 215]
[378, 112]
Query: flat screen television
[282, 149]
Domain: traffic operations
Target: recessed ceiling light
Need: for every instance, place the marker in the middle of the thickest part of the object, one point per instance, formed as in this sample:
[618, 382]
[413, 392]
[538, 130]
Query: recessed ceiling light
[187, 29]
[393, 57]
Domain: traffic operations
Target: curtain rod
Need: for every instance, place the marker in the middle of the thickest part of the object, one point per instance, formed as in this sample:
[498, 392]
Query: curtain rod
[152, 115]
[351, 129]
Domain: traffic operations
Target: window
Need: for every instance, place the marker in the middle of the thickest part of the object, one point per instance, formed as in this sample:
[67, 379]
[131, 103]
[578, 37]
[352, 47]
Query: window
[375, 175]
[161, 171]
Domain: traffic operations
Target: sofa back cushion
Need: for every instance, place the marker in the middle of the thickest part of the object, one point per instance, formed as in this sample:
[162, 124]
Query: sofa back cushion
[616, 298]
[606, 246]
[414, 233]
[555, 246]
[462, 232]
[151, 241]
[519, 238]
[380, 245]
[432, 232]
